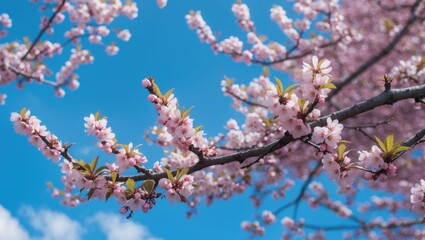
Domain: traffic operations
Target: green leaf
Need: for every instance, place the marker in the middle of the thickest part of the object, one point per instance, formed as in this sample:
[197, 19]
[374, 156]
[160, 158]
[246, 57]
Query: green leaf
[23, 111]
[114, 176]
[279, 86]
[400, 149]
[87, 167]
[291, 88]
[108, 195]
[169, 175]
[186, 113]
[148, 185]
[130, 184]
[167, 94]
[389, 142]
[381, 144]
[93, 163]
[156, 90]
[181, 173]
[101, 169]
[329, 85]
[198, 128]
[90, 193]
[341, 150]
[183, 198]
[97, 116]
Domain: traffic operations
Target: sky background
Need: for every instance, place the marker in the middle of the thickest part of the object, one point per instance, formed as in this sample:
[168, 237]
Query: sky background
[161, 46]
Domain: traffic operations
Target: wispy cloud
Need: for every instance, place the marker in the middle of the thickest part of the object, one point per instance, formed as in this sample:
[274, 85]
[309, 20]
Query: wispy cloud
[52, 225]
[10, 228]
[116, 227]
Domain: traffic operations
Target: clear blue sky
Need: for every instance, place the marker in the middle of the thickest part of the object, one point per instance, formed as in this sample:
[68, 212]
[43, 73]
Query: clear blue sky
[161, 46]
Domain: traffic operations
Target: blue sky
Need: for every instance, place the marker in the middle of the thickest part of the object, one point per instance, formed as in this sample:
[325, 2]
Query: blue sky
[161, 46]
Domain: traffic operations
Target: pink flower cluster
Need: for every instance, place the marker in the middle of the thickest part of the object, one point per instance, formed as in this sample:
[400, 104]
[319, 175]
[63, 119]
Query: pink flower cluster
[65, 75]
[38, 135]
[373, 160]
[279, 16]
[268, 217]
[292, 226]
[329, 136]
[176, 121]
[97, 126]
[241, 11]
[161, 3]
[5, 22]
[338, 169]
[126, 156]
[417, 198]
[178, 189]
[317, 83]
[254, 228]
[2, 98]
[205, 34]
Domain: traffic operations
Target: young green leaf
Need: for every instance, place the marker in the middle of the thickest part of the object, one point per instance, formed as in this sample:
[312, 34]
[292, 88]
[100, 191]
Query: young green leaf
[168, 94]
[389, 142]
[156, 90]
[381, 144]
[279, 86]
[169, 175]
[114, 176]
[97, 116]
[341, 150]
[23, 111]
[90, 193]
[329, 85]
[93, 163]
[291, 89]
[148, 185]
[130, 184]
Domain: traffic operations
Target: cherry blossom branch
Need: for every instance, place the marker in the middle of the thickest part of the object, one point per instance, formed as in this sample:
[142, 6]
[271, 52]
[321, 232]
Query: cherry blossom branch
[384, 52]
[360, 126]
[244, 100]
[37, 79]
[297, 56]
[388, 97]
[301, 194]
[43, 30]
[411, 142]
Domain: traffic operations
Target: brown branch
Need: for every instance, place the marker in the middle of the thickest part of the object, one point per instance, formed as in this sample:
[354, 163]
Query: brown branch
[411, 142]
[388, 97]
[43, 30]
[245, 100]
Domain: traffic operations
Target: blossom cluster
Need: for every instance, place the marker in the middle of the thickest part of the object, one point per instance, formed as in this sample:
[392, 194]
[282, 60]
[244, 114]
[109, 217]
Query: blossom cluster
[271, 52]
[5, 22]
[38, 135]
[179, 188]
[24, 62]
[177, 122]
[417, 197]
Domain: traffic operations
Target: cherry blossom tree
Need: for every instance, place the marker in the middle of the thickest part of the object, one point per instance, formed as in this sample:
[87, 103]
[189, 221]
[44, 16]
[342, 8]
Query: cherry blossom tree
[355, 114]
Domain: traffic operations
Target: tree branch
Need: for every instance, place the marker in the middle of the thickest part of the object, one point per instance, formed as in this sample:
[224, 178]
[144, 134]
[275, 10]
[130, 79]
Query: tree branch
[43, 30]
[388, 97]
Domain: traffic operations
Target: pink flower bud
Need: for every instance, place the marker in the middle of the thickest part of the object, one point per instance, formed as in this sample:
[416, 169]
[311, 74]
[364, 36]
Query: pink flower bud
[146, 83]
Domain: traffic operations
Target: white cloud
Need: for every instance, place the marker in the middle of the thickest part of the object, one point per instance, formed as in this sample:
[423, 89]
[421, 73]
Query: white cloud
[10, 228]
[53, 225]
[116, 227]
